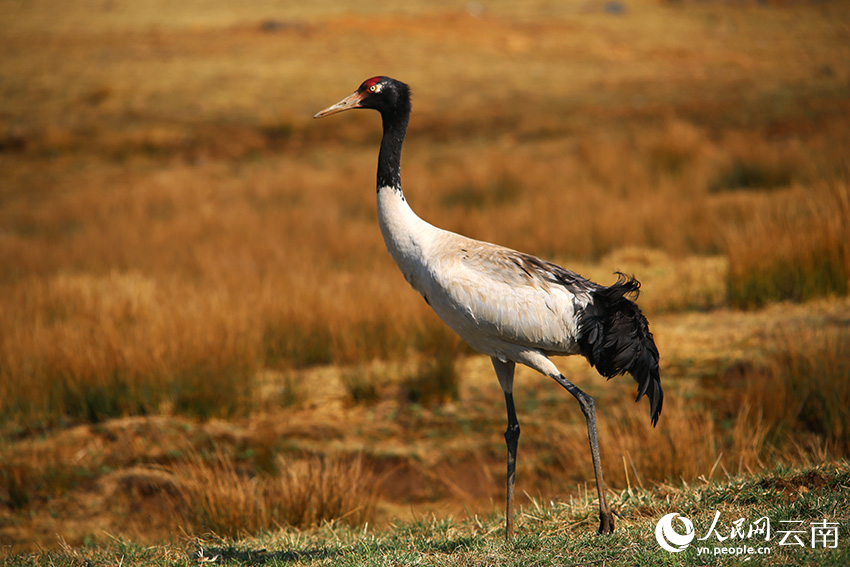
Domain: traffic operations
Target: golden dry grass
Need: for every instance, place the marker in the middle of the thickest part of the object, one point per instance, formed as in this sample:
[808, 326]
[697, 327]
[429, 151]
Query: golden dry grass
[796, 248]
[179, 241]
[215, 496]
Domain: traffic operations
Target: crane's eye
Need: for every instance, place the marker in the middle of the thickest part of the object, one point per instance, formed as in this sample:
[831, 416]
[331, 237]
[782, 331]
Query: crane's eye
[373, 88]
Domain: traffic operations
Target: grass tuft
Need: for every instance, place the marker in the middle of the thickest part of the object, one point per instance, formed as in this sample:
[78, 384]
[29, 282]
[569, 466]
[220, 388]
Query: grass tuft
[298, 346]
[673, 149]
[807, 390]
[363, 385]
[89, 348]
[741, 174]
[751, 162]
[219, 495]
[436, 378]
[797, 250]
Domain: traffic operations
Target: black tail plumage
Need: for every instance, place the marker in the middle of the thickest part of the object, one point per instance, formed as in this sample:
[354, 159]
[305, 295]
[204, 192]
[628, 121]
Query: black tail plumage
[614, 337]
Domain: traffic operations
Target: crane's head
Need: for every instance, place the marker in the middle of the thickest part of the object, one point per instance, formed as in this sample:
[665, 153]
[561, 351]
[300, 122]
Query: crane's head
[386, 95]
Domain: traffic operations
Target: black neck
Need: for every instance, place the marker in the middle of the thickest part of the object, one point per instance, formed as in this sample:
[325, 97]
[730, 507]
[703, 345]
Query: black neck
[389, 158]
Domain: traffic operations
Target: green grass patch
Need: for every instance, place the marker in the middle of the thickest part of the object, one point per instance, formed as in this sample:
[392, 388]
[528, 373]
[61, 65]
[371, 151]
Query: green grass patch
[547, 533]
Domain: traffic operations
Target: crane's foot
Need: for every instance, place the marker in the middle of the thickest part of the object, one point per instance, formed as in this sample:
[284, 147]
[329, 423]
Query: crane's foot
[606, 522]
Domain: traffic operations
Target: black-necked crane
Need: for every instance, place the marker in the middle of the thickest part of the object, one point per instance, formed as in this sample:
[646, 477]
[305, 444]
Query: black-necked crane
[511, 306]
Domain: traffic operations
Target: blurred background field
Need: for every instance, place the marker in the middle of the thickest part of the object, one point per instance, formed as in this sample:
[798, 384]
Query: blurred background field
[200, 328]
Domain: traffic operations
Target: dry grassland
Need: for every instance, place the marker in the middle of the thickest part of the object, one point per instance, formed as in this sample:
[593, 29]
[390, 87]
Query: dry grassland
[198, 318]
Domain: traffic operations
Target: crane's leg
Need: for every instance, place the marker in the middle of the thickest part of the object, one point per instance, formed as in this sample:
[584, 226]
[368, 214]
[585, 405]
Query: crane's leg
[588, 408]
[505, 374]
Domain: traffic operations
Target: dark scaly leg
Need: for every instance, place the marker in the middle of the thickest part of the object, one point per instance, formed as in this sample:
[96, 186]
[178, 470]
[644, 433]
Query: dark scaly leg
[588, 408]
[505, 374]
[512, 440]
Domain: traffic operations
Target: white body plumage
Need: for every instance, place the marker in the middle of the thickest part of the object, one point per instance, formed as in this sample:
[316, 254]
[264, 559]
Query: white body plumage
[501, 304]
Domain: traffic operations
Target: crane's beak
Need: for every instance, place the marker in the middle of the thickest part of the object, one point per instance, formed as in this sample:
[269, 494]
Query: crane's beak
[349, 102]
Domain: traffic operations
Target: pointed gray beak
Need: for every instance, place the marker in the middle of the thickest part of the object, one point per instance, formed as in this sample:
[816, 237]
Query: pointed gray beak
[349, 102]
